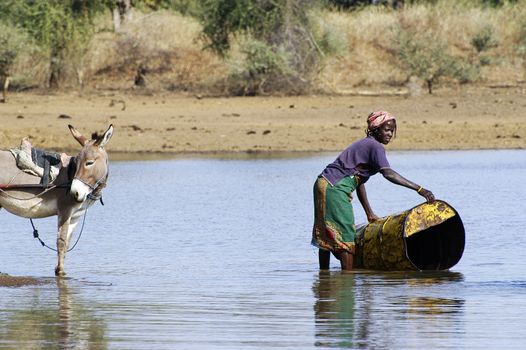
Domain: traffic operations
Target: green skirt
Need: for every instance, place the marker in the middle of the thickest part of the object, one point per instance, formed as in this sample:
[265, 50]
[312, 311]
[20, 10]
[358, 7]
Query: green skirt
[334, 227]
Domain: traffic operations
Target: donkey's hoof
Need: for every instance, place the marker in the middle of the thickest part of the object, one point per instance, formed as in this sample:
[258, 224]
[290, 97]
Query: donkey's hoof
[59, 272]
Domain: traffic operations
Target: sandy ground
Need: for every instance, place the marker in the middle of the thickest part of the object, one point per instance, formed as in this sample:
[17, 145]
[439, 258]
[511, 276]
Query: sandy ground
[467, 118]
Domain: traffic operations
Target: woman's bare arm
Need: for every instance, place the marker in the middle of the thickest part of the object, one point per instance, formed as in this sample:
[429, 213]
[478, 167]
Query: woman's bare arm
[362, 196]
[398, 179]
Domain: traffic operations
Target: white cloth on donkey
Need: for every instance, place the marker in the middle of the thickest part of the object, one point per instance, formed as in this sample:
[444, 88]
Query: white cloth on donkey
[24, 161]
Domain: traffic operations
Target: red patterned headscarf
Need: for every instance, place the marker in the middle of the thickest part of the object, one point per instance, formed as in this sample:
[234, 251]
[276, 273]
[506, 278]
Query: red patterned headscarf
[377, 119]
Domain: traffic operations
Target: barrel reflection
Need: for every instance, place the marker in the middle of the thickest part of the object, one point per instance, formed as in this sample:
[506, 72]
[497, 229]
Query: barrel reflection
[357, 310]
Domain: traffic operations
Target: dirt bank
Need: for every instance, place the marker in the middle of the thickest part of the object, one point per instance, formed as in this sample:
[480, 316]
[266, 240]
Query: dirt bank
[20, 281]
[467, 118]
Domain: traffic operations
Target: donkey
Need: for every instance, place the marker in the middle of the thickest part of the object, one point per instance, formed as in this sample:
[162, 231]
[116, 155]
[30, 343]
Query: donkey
[77, 186]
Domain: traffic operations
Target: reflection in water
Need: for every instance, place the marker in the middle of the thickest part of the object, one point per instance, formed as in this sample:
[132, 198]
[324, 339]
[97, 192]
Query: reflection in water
[355, 310]
[65, 325]
[334, 309]
[195, 263]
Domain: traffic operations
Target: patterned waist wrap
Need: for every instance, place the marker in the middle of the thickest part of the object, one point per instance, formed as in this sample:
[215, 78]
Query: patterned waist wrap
[334, 227]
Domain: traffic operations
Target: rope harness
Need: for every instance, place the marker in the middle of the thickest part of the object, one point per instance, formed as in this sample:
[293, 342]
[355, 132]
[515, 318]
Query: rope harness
[94, 195]
[91, 196]
[35, 234]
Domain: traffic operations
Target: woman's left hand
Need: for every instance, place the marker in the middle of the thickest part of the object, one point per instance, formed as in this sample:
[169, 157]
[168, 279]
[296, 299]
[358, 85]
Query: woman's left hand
[428, 195]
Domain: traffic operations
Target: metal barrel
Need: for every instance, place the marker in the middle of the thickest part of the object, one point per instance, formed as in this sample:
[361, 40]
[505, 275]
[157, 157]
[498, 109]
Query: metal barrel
[429, 236]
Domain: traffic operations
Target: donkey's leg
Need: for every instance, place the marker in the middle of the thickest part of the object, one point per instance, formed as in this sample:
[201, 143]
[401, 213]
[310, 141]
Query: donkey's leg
[67, 224]
[62, 245]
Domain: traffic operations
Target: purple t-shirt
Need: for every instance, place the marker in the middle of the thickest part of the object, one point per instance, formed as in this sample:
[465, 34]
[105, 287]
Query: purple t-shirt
[363, 158]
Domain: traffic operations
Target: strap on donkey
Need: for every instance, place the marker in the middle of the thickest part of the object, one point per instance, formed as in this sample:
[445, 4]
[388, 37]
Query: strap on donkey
[45, 160]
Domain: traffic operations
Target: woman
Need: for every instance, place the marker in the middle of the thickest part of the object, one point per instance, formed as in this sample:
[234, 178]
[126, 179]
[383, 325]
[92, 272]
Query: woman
[334, 229]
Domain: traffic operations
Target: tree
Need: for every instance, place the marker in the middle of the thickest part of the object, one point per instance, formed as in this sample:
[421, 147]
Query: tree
[424, 55]
[11, 43]
[55, 26]
[121, 11]
[281, 47]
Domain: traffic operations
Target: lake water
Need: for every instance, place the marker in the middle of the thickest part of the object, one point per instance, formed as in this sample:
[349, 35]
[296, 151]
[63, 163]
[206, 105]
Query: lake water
[215, 254]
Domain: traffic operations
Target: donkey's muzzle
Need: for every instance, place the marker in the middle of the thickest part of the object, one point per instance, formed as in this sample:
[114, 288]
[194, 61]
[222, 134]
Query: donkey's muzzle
[79, 190]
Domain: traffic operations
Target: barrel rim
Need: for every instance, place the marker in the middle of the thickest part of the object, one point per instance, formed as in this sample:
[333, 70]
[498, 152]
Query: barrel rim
[405, 237]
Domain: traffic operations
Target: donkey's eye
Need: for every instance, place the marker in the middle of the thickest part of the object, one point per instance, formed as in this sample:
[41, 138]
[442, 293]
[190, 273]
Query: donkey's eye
[90, 162]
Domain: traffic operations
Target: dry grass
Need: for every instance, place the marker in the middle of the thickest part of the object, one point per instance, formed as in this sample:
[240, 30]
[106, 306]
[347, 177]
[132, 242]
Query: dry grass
[168, 45]
[369, 60]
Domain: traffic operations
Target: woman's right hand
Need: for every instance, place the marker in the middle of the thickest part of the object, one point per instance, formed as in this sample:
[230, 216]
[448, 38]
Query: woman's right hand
[372, 217]
[428, 195]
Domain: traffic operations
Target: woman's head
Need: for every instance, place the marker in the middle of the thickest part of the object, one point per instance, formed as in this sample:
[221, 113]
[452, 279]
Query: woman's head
[382, 126]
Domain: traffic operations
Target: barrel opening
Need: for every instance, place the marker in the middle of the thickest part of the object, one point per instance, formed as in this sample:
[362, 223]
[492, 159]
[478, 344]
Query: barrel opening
[437, 247]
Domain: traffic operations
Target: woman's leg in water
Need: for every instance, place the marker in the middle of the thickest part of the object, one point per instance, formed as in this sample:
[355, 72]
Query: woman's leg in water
[346, 260]
[324, 257]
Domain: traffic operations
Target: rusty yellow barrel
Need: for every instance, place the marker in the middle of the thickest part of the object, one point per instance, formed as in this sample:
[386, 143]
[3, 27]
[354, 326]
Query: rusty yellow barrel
[429, 236]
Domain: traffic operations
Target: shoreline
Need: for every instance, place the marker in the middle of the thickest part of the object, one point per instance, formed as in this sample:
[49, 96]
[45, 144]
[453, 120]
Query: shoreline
[240, 155]
[174, 125]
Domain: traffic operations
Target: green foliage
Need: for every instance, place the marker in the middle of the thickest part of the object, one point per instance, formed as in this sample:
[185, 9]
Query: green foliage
[56, 26]
[424, 56]
[9, 46]
[262, 61]
[50, 21]
[521, 41]
[275, 26]
[497, 3]
[348, 4]
[358, 4]
[261, 67]
[282, 42]
[484, 39]
[329, 41]
[17, 49]
[222, 18]
[485, 60]
[185, 7]
[463, 71]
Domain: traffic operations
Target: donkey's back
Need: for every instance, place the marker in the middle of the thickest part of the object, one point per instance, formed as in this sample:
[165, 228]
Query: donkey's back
[22, 193]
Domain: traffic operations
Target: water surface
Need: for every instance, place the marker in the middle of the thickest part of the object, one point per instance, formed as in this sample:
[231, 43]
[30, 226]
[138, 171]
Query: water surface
[215, 254]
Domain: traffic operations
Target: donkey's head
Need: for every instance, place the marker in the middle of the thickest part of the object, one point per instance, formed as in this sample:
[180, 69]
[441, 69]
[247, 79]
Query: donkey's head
[92, 165]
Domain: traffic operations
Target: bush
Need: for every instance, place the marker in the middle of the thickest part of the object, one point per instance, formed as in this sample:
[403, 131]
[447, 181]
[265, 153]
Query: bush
[13, 43]
[261, 68]
[223, 18]
[424, 56]
[521, 42]
[497, 3]
[186, 7]
[8, 47]
[261, 60]
[484, 39]
[463, 71]
[356, 4]
[276, 27]
[58, 27]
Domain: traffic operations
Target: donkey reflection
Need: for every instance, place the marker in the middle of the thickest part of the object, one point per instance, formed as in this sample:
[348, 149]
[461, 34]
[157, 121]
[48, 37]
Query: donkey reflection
[78, 184]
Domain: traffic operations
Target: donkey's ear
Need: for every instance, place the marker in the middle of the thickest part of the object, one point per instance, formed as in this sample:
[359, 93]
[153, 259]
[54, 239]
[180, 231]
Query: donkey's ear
[103, 140]
[77, 135]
